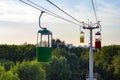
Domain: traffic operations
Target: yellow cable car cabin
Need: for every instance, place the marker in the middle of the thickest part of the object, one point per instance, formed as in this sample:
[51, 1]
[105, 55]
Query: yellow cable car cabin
[81, 37]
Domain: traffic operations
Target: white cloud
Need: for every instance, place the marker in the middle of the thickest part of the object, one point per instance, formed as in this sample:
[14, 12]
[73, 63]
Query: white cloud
[12, 11]
[108, 12]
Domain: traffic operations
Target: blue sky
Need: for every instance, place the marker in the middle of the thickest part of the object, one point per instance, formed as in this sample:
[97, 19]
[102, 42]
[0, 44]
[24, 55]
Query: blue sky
[19, 22]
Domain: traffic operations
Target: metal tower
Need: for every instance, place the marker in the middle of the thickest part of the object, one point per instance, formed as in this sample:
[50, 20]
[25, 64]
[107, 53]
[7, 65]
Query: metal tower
[91, 27]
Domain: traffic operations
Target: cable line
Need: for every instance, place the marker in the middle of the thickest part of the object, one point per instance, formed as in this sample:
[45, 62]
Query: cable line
[93, 5]
[48, 12]
[30, 5]
[42, 7]
[58, 16]
[63, 11]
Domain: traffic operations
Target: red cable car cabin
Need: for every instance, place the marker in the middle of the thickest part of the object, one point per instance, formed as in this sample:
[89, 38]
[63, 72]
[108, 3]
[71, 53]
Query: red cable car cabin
[98, 40]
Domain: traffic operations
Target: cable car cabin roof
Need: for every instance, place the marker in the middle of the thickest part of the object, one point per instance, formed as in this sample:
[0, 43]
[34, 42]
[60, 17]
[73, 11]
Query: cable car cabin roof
[45, 32]
[98, 33]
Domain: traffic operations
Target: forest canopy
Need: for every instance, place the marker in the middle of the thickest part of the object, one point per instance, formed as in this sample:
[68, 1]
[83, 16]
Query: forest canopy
[18, 62]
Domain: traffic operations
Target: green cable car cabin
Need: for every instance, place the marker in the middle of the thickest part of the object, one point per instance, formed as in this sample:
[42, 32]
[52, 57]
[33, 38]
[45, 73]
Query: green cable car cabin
[44, 45]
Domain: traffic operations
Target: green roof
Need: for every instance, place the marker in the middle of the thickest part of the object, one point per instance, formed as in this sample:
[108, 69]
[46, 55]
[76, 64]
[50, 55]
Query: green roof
[45, 32]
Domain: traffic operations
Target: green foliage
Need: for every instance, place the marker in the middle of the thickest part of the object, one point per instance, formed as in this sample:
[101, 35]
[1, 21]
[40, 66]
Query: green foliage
[17, 62]
[105, 62]
[29, 71]
[116, 64]
[7, 64]
[9, 76]
[59, 69]
[17, 53]
[58, 43]
[76, 50]
[2, 70]
[72, 60]
[58, 52]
